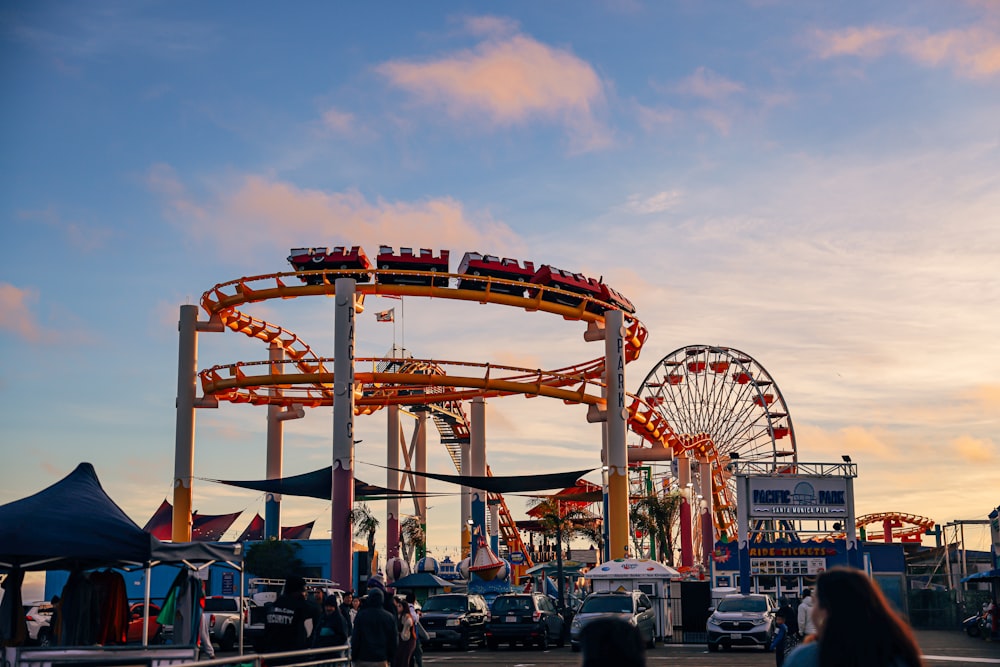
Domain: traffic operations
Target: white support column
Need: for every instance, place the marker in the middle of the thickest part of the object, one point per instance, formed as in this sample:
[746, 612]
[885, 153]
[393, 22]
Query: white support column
[477, 438]
[614, 350]
[341, 533]
[393, 445]
[421, 482]
[275, 448]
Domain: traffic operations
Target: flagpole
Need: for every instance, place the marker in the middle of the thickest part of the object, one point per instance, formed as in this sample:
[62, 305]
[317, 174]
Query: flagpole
[402, 323]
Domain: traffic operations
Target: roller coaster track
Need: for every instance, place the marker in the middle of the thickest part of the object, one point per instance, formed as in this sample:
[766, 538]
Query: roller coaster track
[903, 527]
[312, 384]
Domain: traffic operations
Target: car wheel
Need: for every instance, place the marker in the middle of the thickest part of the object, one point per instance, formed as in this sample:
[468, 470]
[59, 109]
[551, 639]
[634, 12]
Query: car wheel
[562, 639]
[228, 640]
[44, 638]
[575, 648]
[492, 644]
[713, 648]
[463, 644]
[543, 643]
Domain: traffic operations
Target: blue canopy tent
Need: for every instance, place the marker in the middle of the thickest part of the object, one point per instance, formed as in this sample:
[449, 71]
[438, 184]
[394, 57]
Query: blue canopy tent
[983, 576]
[75, 525]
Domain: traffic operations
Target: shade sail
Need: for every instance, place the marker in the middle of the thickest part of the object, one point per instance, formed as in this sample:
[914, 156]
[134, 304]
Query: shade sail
[512, 484]
[72, 523]
[297, 532]
[315, 484]
[422, 580]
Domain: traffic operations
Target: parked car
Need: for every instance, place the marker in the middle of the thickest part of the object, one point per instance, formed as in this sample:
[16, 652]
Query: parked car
[224, 619]
[37, 616]
[741, 620]
[631, 606]
[154, 633]
[529, 618]
[458, 619]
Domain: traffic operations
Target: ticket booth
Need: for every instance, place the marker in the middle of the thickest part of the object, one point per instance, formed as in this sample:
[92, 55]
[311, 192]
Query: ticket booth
[648, 576]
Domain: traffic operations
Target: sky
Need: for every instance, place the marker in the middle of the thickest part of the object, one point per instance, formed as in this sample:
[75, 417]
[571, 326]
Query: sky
[815, 184]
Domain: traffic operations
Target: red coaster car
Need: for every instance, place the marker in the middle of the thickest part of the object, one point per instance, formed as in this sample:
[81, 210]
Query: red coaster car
[475, 264]
[406, 260]
[576, 283]
[342, 258]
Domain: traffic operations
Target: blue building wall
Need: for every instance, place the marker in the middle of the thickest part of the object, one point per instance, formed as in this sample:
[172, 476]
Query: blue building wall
[222, 580]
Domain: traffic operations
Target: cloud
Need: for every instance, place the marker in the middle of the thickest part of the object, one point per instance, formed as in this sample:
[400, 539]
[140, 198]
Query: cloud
[16, 316]
[510, 80]
[661, 201]
[341, 122]
[971, 52]
[974, 450]
[707, 84]
[82, 238]
[259, 212]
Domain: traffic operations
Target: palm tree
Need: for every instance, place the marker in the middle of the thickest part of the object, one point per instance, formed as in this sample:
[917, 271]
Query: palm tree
[411, 538]
[365, 525]
[656, 515]
[594, 532]
[558, 519]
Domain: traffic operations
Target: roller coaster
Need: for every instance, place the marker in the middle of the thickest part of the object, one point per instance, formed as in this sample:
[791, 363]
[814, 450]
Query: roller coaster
[305, 379]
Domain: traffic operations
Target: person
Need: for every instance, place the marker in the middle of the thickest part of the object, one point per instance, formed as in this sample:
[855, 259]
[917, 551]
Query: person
[791, 619]
[612, 641]
[807, 627]
[374, 640]
[345, 609]
[388, 603]
[407, 634]
[331, 630]
[778, 641]
[418, 649]
[355, 607]
[285, 621]
[855, 626]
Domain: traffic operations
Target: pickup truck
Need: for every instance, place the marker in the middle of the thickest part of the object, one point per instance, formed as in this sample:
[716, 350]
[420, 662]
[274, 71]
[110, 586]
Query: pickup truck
[263, 592]
[225, 618]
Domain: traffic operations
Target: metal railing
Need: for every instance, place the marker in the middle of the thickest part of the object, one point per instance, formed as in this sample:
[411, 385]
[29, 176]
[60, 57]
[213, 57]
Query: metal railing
[317, 657]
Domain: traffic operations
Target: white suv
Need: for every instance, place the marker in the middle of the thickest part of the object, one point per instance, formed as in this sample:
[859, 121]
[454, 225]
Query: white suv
[37, 618]
[741, 620]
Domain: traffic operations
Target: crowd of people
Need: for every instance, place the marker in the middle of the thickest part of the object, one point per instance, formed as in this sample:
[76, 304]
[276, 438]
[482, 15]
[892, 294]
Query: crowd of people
[381, 631]
[845, 622]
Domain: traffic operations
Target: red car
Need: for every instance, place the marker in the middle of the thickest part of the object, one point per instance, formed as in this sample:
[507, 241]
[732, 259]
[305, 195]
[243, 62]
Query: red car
[155, 631]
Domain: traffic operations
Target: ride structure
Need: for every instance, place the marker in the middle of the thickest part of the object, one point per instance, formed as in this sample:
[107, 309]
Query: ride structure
[295, 377]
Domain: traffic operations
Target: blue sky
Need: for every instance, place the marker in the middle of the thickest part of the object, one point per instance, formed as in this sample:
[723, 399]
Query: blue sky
[815, 184]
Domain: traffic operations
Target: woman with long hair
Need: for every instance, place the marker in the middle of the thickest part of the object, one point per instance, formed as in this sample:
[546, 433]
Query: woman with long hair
[855, 626]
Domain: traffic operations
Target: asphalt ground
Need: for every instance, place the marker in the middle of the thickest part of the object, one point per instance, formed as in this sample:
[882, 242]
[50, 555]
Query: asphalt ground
[939, 648]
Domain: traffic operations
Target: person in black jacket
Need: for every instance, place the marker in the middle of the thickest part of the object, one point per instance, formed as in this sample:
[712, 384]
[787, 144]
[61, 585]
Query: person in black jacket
[285, 622]
[373, 642]
[332, 628]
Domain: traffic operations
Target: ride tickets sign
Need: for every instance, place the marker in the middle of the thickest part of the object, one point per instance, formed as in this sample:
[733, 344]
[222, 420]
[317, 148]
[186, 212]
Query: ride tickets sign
[799, 497]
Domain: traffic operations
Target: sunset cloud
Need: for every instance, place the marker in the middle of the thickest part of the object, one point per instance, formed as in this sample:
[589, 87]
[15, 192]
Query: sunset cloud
[705, 83]
[971, 52]
[510, 80]
[974, 450]
[16, 316]
[260, 212]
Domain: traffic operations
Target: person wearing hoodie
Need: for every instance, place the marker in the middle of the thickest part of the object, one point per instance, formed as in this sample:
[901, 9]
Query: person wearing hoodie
[374, 639]
[807, 626]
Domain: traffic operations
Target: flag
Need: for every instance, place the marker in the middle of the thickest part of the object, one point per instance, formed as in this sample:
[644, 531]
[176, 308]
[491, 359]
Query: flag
[386, 316]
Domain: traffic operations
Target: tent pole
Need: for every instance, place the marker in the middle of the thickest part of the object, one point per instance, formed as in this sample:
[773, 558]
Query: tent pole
[242, 593]
[145, 612]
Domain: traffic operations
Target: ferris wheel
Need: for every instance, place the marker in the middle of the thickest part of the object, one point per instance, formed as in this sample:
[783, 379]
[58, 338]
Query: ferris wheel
[720, 392]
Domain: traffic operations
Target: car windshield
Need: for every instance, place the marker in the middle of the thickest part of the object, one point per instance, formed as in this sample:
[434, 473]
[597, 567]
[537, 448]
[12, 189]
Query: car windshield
[451, 603]
[219, 604]
[616, 604]
[502, 604]
[743, 604]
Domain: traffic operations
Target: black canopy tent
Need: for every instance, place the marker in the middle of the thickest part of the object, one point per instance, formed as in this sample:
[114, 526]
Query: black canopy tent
[75, 525]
